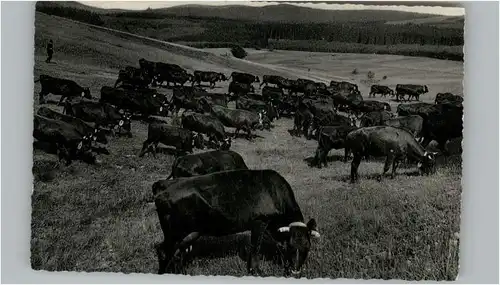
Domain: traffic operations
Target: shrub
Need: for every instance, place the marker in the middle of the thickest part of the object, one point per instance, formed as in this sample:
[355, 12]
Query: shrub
[238, 52]
[370, 75]
[385, 77]
[355, 71]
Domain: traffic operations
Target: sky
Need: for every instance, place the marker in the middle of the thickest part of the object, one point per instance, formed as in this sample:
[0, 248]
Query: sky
[141, 5]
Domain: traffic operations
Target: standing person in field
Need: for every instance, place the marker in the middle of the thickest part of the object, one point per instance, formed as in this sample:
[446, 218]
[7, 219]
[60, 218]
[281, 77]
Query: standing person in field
[50, 51]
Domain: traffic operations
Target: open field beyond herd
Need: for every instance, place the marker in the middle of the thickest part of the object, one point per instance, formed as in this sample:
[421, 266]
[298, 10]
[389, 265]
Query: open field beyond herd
[99, 218]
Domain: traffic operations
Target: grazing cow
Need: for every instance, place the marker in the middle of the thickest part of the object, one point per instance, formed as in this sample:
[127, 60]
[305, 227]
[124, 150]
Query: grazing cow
[82, 127]
[344, 86]
[393, 143]
[208, 76]
[183, 140]
[102, 114]
[211, 99]
[448, 98]
[375, 118]
[133, 77]
[58, 86]
[272, 79]
[421, 109]
[240, 120]
[146, 102]
[328, 119]
[208, 125]
[380, 89]
[331, 137]
[246, 78]
[369, 106]
[206, 162]
[230, 202]
[412, 124]
[185, 97]
[69, 143]
[411, 90]
[257, 106]
[238, 88]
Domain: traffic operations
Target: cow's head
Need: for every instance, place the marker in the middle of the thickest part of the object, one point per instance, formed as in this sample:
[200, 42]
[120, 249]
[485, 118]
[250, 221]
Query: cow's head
[198, 140]
[99, 136]
[427, 164]
[298, 243]
[226, 144]
[86, 93]
[426, 89]
[125, 122]
[222, 77]
[257, 79]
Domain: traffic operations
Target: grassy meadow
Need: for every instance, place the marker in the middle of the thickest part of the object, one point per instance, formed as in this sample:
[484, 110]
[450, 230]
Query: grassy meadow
[99, 218]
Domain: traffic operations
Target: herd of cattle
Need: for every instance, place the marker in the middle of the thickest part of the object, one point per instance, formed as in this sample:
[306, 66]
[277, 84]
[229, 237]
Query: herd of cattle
[214, 193]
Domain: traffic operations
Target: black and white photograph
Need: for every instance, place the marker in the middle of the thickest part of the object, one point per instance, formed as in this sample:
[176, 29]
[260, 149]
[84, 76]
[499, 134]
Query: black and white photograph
[248, 138]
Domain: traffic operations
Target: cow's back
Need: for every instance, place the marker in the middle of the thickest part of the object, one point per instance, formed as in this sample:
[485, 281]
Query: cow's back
[234, 198]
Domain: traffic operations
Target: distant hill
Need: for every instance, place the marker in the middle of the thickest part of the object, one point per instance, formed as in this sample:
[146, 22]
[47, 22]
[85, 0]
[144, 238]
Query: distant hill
[286, 13]
[76, 5]
[438, 21]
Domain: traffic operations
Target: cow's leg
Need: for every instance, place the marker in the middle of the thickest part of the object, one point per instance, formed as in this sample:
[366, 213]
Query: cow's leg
[41, 95]
[61, 100]
[395, 164]
[354, 167]
[387, 165]
[346, 154]
[317, 158]
[236, 132]
[257, 233]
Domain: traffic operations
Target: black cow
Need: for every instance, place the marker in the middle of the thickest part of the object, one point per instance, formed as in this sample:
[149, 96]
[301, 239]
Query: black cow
[208, 76]
[70, 144]
[412, 124]
[82, 127]
[380, 89]
[102, 114]
[230, 202]
[211, 99]
[328, 119]
[246, 78]
[256, 106]
[444, 123]
[421, 109]
[375, 118]
[173, 76]
[183, 140]
[272, 79]
[302, 121]
[331, 137]
[238, 88]
[344, 86]
[146, 102]
[393, 143]
[206, 162]
[411, 90]
[449, 98]
[133, 78]
[366, 106]
[240, 120]
[208, 125]
[58, 86]
[169, 72]
[272, 93]
[185, 97]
